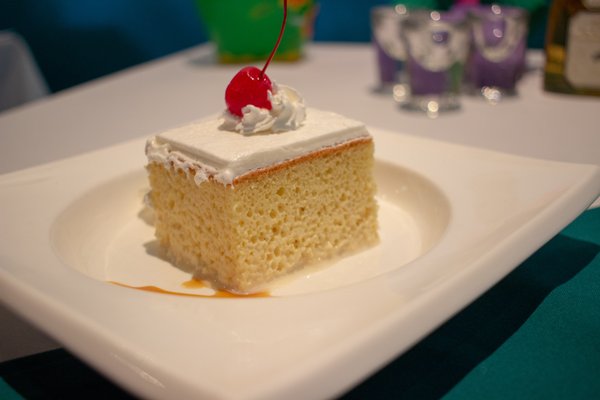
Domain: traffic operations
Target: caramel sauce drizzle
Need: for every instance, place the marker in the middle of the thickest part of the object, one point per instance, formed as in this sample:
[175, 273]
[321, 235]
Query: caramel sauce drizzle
[194, 284]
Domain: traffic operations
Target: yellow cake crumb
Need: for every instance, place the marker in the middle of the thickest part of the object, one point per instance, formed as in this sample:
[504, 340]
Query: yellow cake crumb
[268, 222]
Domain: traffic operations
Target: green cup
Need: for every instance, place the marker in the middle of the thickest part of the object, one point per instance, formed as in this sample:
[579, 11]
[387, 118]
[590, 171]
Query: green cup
[246, 30]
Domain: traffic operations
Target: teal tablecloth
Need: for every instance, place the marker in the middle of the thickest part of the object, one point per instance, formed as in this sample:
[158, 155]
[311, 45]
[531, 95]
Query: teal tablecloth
[535, 335]
[555, 353]
[7, 392]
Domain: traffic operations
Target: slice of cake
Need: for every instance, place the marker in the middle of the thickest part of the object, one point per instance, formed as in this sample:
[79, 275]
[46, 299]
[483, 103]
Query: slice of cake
[239, 210]
[268, 188]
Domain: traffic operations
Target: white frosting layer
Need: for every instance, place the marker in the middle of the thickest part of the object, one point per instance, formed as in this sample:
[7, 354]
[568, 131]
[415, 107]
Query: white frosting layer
[287, 112]
[224, 155]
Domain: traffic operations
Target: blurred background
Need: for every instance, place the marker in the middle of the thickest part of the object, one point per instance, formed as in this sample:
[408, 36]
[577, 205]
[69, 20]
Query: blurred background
[74, 41]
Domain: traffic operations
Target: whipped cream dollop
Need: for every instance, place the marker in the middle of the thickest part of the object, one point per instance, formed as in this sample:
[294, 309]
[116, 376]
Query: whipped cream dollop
[287, 113]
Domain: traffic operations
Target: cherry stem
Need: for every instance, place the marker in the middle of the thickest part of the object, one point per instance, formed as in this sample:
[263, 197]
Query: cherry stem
[262, 73]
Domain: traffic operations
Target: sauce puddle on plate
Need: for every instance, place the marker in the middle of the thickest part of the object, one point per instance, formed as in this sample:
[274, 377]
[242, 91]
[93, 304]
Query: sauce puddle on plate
[194, 284]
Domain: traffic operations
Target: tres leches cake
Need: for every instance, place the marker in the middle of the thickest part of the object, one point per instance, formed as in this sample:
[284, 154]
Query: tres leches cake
[243, 210]
[267, 188]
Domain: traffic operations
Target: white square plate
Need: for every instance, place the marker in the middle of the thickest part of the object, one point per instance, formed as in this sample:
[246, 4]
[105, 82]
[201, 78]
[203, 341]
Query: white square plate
[454, 220]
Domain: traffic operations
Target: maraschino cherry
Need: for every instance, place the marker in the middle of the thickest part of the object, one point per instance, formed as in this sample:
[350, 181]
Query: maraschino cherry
[251, 85]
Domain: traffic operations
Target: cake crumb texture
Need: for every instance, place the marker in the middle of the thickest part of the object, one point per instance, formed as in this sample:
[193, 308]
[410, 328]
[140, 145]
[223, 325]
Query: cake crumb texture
[276, 220]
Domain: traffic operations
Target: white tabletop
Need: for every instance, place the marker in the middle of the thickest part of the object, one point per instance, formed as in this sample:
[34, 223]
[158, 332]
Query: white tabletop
[190, 85]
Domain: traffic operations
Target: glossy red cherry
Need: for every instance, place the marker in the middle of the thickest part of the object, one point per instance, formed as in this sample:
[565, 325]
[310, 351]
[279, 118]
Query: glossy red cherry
[248, 86]
[251, 85]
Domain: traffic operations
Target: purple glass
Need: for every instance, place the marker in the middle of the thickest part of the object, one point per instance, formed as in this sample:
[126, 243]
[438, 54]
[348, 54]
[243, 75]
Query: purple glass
[437, 45]
[386, 25]
[497, 59]
[387, 67]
